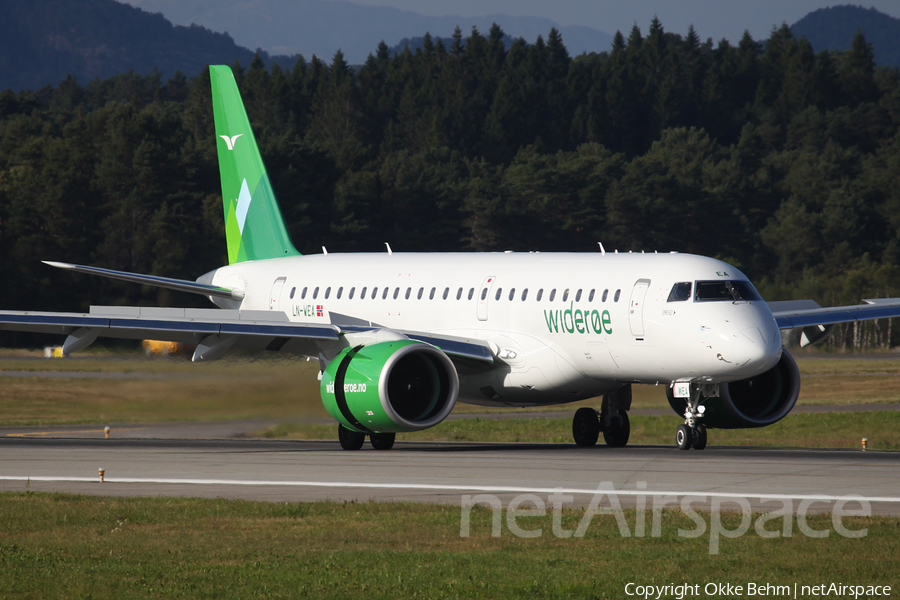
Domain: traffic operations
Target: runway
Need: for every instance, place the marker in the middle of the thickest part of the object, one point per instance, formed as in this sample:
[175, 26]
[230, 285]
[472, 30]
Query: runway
[440, 472]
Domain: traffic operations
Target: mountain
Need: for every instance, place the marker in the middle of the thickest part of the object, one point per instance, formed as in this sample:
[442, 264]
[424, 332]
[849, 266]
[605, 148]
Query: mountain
[44, 41]
[322, 27]
[833, 29]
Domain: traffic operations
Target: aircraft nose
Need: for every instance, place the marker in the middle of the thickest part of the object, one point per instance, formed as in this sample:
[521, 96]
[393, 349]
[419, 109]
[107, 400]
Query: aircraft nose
[757, 349]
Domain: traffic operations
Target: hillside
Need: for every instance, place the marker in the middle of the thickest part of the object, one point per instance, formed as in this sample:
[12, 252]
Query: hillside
[322, 27]
[833, 29]
[43, 41]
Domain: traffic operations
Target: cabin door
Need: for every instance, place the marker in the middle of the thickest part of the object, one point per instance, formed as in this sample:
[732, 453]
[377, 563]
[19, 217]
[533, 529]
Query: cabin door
[636, 307]
[484, 295]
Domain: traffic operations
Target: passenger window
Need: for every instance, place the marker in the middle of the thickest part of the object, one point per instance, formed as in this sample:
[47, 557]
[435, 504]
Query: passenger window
[315, 293]
[591, 296]
[565, 295]
[293, 290]
[362, 294]
[419, 295]
[446, 293]
[616, 297]
[408, 292]
[459, 294]
[484, 293]
[340, 291]
[375, 292]
[303, 293]
[524, 294]
[605, 294]
[540, 293]
[396, 293]
[512, 293]
[327, 292]
[431, 294]
[497, 295]
[578, 296]
[680, 292]
[471, 293]
[552, 294]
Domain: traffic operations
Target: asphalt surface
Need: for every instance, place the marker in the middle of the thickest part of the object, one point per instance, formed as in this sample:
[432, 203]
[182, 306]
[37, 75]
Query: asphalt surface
[182, 464]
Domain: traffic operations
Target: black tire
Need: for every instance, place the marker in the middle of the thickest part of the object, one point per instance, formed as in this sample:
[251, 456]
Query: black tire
[586, 427]
[350, 440]
[699, 439]
[382, 441]
[684, 437]
[618, 431]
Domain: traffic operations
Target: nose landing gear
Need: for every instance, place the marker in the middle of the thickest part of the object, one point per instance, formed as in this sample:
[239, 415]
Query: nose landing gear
[692, 434]
[690, 437]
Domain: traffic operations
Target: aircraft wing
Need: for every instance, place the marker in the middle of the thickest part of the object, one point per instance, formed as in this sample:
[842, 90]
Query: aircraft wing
[213, 330]
[806, 313]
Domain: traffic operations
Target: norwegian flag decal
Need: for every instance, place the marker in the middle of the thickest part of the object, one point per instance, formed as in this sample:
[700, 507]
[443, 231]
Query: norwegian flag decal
[320, 310]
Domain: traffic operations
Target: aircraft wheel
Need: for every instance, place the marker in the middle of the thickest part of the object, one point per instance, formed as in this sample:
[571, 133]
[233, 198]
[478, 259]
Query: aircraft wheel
[382, 441]
[699, 438]
[350, 440]
[586, 427]
[618, 430]
[684, 437]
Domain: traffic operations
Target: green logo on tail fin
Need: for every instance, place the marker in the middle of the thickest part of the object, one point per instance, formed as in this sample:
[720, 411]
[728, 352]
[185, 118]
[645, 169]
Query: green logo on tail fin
[254, 226]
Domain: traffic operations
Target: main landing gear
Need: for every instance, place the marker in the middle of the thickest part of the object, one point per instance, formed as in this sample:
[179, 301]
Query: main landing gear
[612, 420]
[692, 434]
[353, 440]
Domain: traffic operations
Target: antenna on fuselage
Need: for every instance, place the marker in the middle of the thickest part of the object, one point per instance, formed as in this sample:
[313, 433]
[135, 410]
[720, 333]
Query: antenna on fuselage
[388, 246]
[324, 251]
[602, 249]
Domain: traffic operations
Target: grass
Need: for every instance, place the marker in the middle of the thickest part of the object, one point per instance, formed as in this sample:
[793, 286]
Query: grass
[61, 546]
[167, 390]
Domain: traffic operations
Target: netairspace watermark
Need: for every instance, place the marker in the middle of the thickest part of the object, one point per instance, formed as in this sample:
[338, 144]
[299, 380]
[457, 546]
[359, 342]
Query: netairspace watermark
[533, 505]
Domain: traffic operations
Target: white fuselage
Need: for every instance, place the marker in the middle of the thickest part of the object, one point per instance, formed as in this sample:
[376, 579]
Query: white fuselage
[562, 327]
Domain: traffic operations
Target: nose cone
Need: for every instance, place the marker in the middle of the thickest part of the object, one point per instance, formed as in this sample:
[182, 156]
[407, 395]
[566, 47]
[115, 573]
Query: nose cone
[757, 349]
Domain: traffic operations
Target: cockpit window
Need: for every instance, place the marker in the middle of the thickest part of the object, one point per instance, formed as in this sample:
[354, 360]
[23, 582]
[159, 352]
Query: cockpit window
[732, 291]
[680, 292]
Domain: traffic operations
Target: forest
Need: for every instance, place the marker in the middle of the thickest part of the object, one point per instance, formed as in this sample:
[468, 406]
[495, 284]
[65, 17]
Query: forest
[781, 160]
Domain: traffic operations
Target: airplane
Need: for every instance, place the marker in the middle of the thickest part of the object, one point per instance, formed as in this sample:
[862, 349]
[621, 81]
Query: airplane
[401, 337]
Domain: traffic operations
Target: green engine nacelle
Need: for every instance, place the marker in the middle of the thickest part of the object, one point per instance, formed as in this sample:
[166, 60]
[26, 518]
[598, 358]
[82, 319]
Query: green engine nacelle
[390, 386]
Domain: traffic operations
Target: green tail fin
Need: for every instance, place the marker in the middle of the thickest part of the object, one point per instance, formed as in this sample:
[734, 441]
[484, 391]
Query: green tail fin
[254, 225]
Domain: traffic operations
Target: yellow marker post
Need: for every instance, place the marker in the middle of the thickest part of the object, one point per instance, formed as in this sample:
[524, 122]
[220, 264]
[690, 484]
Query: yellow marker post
[865, 442]
[102, 473]
[106, 431]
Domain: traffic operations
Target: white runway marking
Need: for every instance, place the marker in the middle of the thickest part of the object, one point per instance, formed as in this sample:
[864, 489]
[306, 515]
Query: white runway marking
[458, 488]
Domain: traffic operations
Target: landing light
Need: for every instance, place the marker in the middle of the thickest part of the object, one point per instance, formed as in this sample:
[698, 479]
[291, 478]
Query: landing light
[701, 409]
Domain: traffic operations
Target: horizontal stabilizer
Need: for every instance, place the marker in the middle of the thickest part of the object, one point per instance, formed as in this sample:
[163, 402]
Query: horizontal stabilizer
[181, 285]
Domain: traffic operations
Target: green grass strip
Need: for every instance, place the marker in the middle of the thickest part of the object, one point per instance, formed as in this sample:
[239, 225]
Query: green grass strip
[65, 546]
